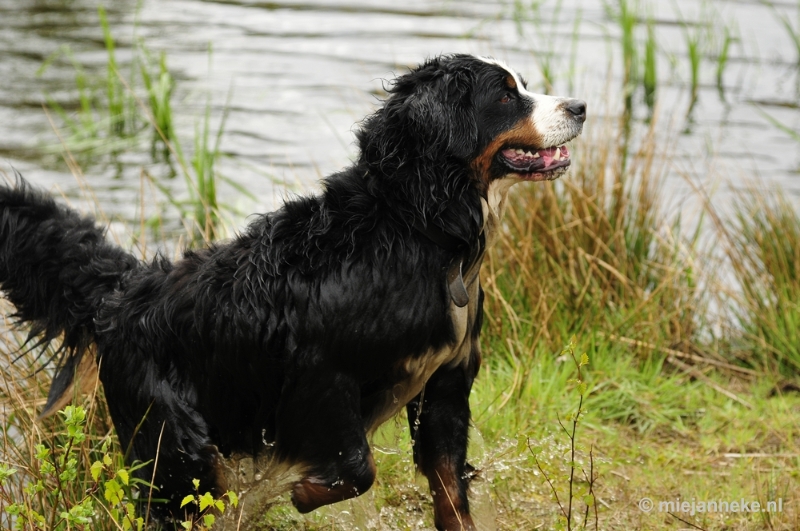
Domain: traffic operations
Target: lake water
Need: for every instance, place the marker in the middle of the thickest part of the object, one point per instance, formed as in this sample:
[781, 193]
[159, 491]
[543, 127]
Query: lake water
[295, 76]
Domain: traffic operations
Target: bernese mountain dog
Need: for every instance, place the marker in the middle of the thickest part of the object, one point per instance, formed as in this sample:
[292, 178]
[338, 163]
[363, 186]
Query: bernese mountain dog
[320, 321]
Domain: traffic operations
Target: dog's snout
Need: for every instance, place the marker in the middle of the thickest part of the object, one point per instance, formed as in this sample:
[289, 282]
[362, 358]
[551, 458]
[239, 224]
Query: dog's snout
[576, 108]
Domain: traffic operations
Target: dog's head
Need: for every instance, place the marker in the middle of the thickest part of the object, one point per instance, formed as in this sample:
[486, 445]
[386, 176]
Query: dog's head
[475, 112]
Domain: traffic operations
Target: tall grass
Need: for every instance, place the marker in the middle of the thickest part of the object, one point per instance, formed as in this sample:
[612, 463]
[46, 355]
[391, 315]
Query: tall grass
[722, 61]
[764, 250]
[694, 53]
[595, 251]
[120, 104]
[625, 13]
[159, 88]
[650, 76]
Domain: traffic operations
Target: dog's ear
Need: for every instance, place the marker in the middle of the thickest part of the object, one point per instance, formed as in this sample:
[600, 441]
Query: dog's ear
[429, 114]
[440, 113]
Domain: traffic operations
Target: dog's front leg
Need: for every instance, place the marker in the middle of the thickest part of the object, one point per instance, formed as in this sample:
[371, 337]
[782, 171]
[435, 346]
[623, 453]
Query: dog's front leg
[439, 419]
[321, 429]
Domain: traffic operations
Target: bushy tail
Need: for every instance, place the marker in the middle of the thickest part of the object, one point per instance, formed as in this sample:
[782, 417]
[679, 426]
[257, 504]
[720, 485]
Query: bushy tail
[56, 267]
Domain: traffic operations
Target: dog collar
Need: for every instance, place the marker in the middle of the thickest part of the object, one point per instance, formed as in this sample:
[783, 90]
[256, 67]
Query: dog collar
[455, 272]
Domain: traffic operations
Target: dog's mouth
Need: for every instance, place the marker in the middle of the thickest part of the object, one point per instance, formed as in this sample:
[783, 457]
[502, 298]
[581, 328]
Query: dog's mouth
[536, 164]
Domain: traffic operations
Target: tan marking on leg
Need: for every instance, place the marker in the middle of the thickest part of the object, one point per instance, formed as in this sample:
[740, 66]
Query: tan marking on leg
[449, 512]
[309, 494]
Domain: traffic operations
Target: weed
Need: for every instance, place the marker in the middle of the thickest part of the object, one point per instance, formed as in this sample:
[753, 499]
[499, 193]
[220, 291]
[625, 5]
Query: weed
[586, 494]
[201, 181]
[206, 506]
[127, 116]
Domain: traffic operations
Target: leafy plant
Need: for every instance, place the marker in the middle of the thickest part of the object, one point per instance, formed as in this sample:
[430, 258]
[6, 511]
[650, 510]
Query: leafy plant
[206, 505]
[57, 494]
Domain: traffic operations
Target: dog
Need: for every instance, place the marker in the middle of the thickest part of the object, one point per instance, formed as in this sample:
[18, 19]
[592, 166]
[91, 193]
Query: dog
[322, 319]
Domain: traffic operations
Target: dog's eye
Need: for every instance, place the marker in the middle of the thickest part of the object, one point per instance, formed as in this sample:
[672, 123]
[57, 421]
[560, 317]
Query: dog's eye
[507, 97]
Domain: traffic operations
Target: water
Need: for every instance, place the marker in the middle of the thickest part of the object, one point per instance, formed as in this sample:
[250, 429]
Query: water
[299, 74]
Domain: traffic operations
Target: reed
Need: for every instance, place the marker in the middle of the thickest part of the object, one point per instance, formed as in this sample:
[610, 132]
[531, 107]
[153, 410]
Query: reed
[722, 61]
[650, 75]
[764, 250]
[693, 39]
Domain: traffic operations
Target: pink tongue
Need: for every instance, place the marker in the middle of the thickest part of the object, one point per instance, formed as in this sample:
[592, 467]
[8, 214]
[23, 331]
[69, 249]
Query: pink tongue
[547, 156]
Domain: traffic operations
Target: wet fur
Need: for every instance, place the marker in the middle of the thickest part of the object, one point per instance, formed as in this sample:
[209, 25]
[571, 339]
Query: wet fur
[306, 331]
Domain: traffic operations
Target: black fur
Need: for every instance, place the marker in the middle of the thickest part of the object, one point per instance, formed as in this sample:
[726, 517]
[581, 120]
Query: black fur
[298, 330]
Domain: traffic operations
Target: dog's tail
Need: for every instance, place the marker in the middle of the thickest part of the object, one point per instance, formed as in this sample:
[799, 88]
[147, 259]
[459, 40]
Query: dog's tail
[56, 267]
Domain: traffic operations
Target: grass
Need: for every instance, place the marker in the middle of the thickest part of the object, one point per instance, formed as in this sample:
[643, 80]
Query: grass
[722, 61]
[766, 261]
[626, 15]
[650, 76]
[694, 51]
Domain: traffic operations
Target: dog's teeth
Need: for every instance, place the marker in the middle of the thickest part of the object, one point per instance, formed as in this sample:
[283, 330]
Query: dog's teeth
[557, 155]
[528, 153]
[536, 155]
[519, 152]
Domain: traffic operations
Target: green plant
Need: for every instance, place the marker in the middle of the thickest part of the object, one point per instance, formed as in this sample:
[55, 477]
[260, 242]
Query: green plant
[128, 117]
[693, 40]
[56, 493]
[628, 21]
[722, 61]
[201, 209]
[626, 14]
[584, 493]
[120, 104]
[159, 96]
[99, 125]
[206, 505]
[650, 76]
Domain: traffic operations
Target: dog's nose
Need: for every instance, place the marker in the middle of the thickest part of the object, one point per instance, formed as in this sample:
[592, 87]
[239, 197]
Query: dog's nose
[577, 108]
